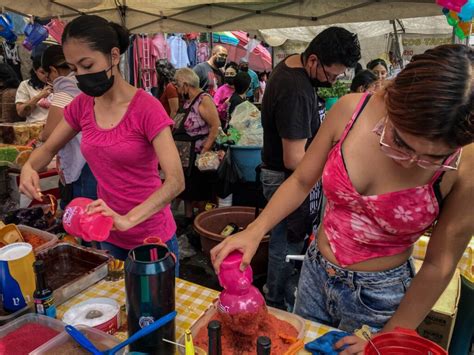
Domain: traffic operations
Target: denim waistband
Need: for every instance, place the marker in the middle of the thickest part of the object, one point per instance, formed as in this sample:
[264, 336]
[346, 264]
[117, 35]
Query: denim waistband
[366, 278]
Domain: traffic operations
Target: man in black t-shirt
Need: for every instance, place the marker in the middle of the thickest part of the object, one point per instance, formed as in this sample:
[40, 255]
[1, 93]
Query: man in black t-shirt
[210, 73]
[291, 116]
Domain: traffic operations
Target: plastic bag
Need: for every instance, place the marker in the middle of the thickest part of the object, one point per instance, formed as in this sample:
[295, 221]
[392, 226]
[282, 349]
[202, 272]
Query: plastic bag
[208, 161]
[246, 119]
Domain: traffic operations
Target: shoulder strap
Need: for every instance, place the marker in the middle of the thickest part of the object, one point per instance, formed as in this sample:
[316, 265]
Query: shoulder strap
[438, 175]
[359, 108]
[188, 110]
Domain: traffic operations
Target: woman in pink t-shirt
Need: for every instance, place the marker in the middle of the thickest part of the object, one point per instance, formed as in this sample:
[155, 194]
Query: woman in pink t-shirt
[125, 135]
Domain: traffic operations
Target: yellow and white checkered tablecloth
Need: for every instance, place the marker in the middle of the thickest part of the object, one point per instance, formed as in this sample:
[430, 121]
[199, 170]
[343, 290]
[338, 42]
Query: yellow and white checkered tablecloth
[191, 301]
[465, 265]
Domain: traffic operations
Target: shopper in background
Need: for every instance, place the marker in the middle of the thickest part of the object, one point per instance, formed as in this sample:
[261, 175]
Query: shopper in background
[364, 80]
[262, 77]
[291, 116]
[253, 91]
[202, 120]
[125, 135]
[8, 85]
[76, 178]
[210, 73]
[380, 68]
[223, 94]
[167, 92]
[31, 100]
[242, 82]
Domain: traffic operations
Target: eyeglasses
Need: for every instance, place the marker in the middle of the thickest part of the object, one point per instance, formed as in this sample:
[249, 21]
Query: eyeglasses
[331, 78]
[450, 162]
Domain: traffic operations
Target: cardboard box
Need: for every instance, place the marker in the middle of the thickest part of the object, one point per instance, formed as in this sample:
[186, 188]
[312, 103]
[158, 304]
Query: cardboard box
[439, 324]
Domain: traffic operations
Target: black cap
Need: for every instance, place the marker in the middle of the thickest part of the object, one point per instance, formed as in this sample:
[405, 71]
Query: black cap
[38, 265]
[214, 325]
[264, 345]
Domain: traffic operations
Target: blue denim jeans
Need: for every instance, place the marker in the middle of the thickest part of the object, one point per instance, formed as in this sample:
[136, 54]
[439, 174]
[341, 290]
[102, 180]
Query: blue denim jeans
[346, 299]
[121, 253]
[279, 271]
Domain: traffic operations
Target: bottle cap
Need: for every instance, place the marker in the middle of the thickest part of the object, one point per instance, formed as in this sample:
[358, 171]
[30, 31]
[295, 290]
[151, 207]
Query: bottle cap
[214, 325]
[38, 266]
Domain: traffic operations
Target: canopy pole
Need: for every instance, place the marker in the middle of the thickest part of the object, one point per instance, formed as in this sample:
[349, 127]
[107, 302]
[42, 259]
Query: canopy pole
[397, 44]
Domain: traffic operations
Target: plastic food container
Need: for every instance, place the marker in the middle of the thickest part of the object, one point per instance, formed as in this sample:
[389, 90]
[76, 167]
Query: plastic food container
[109, 322]
[402, 342]
[50, 239]
[63, 344]
[293, 319]
[51, 323]
[70, 269]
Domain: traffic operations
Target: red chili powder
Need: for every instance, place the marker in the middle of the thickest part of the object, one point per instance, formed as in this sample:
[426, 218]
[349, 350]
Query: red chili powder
[35, 240]
[240, 332]
[26, 338]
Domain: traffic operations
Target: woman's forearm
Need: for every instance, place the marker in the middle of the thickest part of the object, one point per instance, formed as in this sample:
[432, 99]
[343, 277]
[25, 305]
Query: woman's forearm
[171, 188]
[25, 109]
[425, 289]
[40, 158]
[211, 138]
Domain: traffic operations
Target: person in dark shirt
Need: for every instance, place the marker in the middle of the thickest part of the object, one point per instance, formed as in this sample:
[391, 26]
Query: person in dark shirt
[210, 73]
[291, 116]
[241, 84]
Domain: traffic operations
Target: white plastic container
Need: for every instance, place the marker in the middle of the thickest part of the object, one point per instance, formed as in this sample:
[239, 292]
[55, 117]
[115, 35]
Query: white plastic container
[56, 346]
[76, 315]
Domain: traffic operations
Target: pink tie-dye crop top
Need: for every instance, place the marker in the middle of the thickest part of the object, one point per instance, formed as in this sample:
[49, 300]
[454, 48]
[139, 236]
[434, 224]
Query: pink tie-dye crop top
[361, 227]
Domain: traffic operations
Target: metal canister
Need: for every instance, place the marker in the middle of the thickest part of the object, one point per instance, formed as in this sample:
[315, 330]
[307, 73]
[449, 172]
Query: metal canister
[150, 289]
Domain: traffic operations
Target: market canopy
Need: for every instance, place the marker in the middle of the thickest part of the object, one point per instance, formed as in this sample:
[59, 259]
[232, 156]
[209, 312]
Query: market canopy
[148, 16]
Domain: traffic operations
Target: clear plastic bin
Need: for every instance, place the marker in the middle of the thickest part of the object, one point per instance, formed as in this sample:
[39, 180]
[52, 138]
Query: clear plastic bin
[59, 344]
[51, 323]
[50, 238]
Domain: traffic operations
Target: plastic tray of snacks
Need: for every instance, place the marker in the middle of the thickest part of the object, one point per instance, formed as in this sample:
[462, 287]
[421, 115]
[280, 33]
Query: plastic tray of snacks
[63, 344]
[49, 239]
[32, 325]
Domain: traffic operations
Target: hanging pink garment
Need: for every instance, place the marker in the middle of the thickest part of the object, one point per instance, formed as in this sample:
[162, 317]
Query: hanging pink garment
[56, 28]
[160, 46]
[144, 62]
[203, 52]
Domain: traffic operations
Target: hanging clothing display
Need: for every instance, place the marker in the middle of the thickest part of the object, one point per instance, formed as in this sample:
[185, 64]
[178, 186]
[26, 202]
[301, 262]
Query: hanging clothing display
[144, 63]
[203, 52]
[161, 46]
[192, 52]
[179, 52]
[12, 58]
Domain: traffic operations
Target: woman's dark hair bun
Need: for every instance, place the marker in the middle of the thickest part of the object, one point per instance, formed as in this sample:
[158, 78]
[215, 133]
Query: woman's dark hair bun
[123, 36]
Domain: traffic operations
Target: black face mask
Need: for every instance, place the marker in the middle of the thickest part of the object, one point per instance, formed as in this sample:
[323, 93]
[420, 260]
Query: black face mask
[244, 69]
[316, 83]
[219, 62]
[229, 80]
[185, 96]
[95, 84]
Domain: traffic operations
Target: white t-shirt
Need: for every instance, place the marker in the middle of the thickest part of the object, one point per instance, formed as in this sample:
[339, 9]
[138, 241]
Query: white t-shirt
[25, 93]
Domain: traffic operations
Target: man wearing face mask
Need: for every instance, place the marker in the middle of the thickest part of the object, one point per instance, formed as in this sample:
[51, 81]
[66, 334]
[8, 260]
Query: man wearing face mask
[291, 116]
[210, 73]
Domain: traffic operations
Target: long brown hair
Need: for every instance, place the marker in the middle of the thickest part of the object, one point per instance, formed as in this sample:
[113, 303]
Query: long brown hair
[433, 96]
